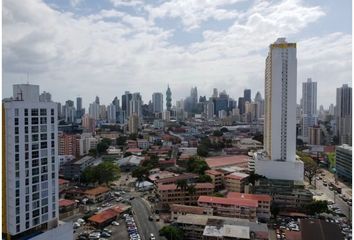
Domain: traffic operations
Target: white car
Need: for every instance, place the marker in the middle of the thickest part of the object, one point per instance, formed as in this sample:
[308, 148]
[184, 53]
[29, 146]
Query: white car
[76, 225]
[80, 220]
[114, 223]
[152, 237]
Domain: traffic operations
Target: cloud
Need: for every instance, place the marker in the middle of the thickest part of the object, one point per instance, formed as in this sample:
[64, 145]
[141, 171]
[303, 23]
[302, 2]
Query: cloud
[111, 51]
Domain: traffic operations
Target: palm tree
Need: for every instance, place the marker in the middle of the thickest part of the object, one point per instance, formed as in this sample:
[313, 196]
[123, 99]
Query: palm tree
[182, 184]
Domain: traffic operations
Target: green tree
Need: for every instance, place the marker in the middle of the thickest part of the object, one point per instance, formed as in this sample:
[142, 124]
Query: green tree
[197, 165]
[218, 195]
[204, 178]
[127, 154]
[151, 163]
[93, 152]
[311, 168]
[121, 141]
[202, 150]
[106, 172]
[133, 136]
[224, 130]
[88, 176]
[140, 173]
[182, 184]
[172, 233]
[317, 207]
[217, 133]
[191, 190]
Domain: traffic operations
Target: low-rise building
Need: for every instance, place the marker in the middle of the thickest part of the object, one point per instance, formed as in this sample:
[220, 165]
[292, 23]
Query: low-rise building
[264, 202]
[97, 194]
[197, 227]
[143, 144]
[217, 178]
[190, 177]
[227, 161]
[231, 207]
[129, 163]
[235, 182]
[180, 209]
[169, 194]
[344, 162]
[73, 169]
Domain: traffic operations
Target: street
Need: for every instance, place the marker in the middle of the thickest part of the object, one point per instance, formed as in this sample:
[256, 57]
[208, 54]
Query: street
[333, 196]
[141, 214]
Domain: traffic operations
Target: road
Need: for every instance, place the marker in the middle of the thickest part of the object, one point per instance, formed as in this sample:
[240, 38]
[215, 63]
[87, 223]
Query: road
[332, 196]
[141, 214]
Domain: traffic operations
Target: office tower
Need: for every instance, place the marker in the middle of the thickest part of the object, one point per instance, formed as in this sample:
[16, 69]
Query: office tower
[247, 95]
[125, 104]
[157, 102]
[45, 97]
[94, 109]
[135, 105]
[79, 109]
[221, 102]
[97, 100]
[344, 162]
[69, 111]
[133, 124]
[260, 105]
[331, 109]
[103, 113]
[168, 98]
[314, 135]
[194, 95]
[30, 166]
[112, 113]
[241, 105]
[215, 93]
[88, 123]
[59, 110]
[115, 102]
[309, 107]
[210, 109]
[278, 160]
[344, 114]
[166, 116]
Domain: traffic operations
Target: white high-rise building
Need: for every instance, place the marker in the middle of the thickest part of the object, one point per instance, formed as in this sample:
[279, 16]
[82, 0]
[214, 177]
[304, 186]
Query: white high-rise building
[157, 102]
[30, 169]
[111, 113]
[94, 110]
[135, 105]
[344, 114]
[278, 160]
[309, 107]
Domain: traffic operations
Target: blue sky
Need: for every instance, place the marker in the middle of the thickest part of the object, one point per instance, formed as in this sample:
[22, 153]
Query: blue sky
[90, 47]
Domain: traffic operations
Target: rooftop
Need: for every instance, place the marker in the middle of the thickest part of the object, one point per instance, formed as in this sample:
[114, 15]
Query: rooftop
[166, 187]
[228, 201]
[213, 172]
[179, 177]
[257, 197]
[224, 161]
[82, 160]
[96, 191]
[65, 202]
[188, 209]
[237, 176]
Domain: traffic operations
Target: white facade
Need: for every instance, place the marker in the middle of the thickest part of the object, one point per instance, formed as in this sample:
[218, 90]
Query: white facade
[157, 102]
[278, 160]
[31, 155]
[309, 101]
[344, 114]
[94, 110]
[135, 105]
[111, 113]
[166, 116]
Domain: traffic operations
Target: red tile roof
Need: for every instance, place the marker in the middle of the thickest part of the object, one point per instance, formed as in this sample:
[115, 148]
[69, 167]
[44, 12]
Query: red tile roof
[175, 178]
[213, 172]
[134, 150]
[228, 201]
[237, 176]
[97, 191]
[65, 202]
[103, 216]
[258, 197]
[223, 161]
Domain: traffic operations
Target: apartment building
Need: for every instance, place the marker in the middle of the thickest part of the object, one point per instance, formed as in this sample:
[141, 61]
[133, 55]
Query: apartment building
[235, 182]
[231, 207]
[180, 209]
[171, 194]
[217, 178]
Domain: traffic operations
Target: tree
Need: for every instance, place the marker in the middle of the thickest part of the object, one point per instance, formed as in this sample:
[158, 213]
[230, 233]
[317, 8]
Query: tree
[224, 130]
[151, 163]
[202, 150]
[133, 136]
[274, 209]
[121, 140]
[317, 207]
[218, 195]
[182, 184]
[88, 176]
[106, 172]
[127, 154]
[197, 165]
[204, 178]
[172, 233]
[93, 152]
[140, 173]
[253, 177]
[217, 133]
[191, 190]
[311, 168]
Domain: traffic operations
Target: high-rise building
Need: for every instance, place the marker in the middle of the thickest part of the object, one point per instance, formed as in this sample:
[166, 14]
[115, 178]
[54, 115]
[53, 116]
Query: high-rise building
[241, 105]
[30, 167]
[344, 114]
[210, 109]
[79, 110]
[103, 113]
[135, 105]
[112, 113]
[133, 124]
[331, 109]
[314, 135]
[45, 97]
[157, 102]
[97, 100]
[194, 95]
[260, 105]
[69, 111]
[247, 95]
[278, 160]
[215, 93]
[309, 107]
[344, 162]
[94, 110]
[168, 99]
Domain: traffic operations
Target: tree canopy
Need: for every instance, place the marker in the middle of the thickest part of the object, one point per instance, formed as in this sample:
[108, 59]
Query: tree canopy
[197, 165]
[172, 233]
[104, 172]
[311, 168]
[317, 207]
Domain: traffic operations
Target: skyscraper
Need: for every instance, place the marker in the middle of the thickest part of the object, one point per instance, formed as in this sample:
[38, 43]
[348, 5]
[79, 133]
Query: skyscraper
[247, 95]
[125, 104]
[69, 111]
[45, 97]
[168, 98]
[79, 109]
[194, 95]
[241, 105]
[278, 160]
[344, 114]
[157, 102]
[309, 101]
[135, 105]
[30, 166]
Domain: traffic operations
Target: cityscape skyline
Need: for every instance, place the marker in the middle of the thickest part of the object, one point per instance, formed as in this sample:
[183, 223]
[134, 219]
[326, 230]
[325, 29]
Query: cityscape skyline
[93, 64]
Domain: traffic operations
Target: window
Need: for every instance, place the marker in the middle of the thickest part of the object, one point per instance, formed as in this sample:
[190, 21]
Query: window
[26, 129]
[45, 217]
[17, 210]
[17, 184]
[16, 130]
[52, 111]
[34, 129]
[35, 163]
[44, 177]
[35, 213]
[18, 219]
[17, 192]
[26, 138]
[35, 179]
[34, 120]
[44, 169]
[44, 185]
[27, 225]
[18, 228]
[27, 216]
[16, 112]
[35, 154]
[17, 148]
[53, 214]
[35, 196]
[17, 139]
[43, 111]
[43, 120]
[26, 147]
[53, 144]
[52, 136]
[17, 157]
[27, 207]
[44, 194]
[27, 199]
[17, 201]
[34, 112]
[16, 121]
[44, 201]
[26, 112]
[43, 136]
[43, 145]
[43, 128]
[35, 146]
[44, 161]
[52, 120]
[27, 181]
[36, 221]
[17, 166]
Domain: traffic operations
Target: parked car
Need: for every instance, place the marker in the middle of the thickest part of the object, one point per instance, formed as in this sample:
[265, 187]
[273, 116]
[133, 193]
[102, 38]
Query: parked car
[115, 223]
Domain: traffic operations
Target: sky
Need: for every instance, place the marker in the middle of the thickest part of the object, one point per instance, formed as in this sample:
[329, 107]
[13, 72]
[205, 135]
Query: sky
[103, 48]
